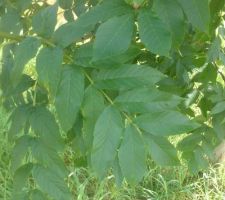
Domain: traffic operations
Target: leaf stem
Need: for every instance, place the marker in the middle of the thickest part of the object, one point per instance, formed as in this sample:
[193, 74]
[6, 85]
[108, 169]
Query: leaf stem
[21, 37]
[35, 93]
[11, 36]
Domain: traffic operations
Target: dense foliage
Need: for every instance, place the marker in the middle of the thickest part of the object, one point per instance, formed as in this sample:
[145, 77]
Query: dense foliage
[114, 83]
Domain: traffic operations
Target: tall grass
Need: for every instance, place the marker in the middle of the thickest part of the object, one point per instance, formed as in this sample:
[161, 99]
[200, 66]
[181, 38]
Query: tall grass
[171, 183]
[159, 184]
[5, 149]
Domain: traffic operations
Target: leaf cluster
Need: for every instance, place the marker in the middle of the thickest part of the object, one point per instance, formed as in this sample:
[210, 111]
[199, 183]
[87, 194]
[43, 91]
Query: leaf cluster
[114, 82]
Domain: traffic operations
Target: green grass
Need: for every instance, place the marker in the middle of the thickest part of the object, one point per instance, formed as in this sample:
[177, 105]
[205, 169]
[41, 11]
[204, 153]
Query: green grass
[173, 183]
[158, 184]
[5, 149]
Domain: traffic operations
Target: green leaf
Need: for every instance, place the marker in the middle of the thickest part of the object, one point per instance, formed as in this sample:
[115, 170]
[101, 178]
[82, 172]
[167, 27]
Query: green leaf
[19, 151]
[214, 50]
[107, 135]
[79, 144]
[83, 57]
[7, 61]
[143, 100]
[172, 86]
[197, 13]
[65, 4]
[190, 142]
[172, 14]
[51, 183]
[161, 150]
[71, 32]
[24, 195]
[92, 107]
[37, 195]
[117, 172]
[80, 7]
[127, 57]
[24, 84]
[218, 108]
[48, 157]
[74, 31]
[196, 160]
[182, 76]
[191, 98]
[48, 64]
[154, 33]
[18, 120]
[207, 73]
[11, 21]
[218, 125]
[20, 178]
[26, 50]
[45, 20]
[132, 156]
[69, 96]
[69, 15]
[22, 5]
[127, 76]
[113, 37]
[216, 6]
[165, 123]
[106, 10]
[44, 125]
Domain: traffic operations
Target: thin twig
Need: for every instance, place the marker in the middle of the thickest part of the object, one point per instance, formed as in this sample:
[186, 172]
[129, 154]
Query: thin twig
[222, 75]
